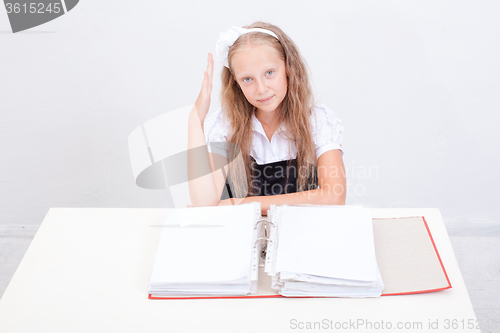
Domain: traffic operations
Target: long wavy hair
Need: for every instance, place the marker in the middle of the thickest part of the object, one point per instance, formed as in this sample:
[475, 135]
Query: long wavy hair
[294, 112]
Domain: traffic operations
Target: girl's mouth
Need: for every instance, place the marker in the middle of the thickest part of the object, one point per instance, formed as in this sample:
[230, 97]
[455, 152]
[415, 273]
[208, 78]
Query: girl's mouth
[265, 100]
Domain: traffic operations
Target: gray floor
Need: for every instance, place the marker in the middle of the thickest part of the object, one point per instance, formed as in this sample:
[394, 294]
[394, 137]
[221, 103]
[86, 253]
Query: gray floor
[476, 249]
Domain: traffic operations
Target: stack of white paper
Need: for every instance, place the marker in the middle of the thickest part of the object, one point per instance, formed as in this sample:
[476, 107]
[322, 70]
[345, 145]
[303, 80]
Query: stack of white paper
[323, 251]
[207, 251]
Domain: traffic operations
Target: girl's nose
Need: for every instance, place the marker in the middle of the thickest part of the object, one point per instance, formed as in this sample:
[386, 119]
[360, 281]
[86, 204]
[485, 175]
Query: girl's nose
[261, 86]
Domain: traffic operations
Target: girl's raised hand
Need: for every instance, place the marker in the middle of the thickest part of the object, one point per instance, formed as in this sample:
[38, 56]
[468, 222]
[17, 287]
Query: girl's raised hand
[203, 102]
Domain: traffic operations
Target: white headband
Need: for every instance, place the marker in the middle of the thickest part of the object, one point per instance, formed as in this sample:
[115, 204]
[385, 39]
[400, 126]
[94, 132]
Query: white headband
[226, 39]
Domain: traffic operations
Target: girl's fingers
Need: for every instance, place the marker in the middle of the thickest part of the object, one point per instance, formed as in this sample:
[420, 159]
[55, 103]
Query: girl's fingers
[210, 71]
[211, 63]
[206, 86]
[208, 64]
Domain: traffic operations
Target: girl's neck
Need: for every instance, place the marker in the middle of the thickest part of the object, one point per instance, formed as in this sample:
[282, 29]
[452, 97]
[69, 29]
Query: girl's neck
[269, 121]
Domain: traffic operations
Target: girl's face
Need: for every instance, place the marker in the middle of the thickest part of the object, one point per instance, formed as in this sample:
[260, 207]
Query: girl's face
[261, 75]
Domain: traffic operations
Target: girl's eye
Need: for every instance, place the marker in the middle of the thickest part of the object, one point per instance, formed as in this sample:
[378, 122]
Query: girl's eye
[246, 79]
[270, 72]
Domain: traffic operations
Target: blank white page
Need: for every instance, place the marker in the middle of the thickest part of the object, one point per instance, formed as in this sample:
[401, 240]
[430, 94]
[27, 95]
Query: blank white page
[205, 244]
[327, 241]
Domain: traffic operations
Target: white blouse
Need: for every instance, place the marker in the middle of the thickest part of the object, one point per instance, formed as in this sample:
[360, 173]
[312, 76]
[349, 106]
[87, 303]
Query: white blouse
[326, 131]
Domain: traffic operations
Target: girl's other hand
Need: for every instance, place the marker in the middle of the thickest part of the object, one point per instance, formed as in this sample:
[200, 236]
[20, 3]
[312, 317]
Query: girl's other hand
[202, 104]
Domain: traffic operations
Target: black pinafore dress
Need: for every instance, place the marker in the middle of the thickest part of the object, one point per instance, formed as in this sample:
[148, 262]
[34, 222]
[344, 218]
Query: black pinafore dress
[271, 179]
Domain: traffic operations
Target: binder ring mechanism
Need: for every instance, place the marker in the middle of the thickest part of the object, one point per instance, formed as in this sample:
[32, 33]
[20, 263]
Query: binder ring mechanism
[266, 233]
[259, 239]
[264, 219]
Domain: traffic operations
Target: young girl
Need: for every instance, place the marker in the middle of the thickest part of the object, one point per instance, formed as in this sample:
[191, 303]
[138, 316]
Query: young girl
[277, 146]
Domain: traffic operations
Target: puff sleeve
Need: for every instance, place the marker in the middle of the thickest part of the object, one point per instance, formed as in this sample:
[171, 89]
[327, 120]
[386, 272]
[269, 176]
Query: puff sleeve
[326, 130]
[216, 131]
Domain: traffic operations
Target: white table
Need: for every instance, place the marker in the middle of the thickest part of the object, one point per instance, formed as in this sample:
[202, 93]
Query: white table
[87, 270]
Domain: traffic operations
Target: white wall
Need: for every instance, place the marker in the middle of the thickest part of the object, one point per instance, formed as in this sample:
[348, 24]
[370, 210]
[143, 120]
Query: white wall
[416, 84]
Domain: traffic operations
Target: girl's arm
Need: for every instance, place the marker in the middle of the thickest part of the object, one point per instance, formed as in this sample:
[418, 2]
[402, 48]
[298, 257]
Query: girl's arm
[331, 191]
[205, 190]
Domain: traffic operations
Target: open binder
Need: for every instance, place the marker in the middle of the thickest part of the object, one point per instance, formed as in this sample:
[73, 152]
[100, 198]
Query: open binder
[297, 251]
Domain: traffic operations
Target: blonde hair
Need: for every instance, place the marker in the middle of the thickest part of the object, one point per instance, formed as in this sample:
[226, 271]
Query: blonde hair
[294, 113]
